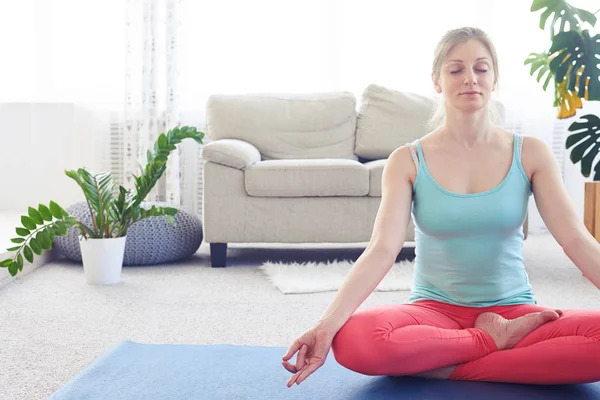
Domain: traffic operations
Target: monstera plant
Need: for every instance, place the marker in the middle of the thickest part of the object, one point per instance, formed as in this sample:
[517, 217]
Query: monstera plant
[112, 212]
[573, 64]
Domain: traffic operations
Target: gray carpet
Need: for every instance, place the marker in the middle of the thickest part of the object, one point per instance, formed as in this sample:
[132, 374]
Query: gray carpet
[53, 325]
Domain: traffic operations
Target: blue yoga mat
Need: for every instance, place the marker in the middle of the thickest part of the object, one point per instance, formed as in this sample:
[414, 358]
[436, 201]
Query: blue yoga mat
[213, 372]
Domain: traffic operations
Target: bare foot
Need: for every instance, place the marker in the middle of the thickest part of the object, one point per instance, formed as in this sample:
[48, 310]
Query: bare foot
[508, 332]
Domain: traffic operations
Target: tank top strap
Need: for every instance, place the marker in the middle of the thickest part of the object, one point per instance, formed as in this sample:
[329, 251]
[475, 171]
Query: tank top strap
[518, 147]
[413, 154]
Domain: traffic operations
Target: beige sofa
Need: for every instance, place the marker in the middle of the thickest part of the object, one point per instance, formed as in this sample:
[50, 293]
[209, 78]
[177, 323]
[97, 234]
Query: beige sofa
[301, 168]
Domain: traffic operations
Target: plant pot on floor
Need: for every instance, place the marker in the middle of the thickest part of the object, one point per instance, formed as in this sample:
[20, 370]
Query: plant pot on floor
[102, 260]
[591, 213]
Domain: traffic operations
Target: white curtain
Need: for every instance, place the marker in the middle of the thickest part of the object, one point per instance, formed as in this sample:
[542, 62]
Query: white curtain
[141, 67]
[151, 90]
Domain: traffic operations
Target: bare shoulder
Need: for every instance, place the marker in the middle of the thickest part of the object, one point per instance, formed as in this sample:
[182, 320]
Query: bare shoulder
[506, 137]
[535, 155]
[401, 165]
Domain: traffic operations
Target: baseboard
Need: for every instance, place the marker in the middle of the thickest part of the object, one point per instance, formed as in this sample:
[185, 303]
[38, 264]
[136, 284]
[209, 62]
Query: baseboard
[38, 261]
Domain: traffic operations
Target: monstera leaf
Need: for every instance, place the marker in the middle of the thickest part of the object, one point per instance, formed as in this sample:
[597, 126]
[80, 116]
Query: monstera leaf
[564, 13]
[566, 100]
[573, 56]
[586, 142]
[541, 62]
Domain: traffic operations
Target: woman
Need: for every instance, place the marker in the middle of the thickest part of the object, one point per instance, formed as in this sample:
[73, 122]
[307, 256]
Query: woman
[472, 314]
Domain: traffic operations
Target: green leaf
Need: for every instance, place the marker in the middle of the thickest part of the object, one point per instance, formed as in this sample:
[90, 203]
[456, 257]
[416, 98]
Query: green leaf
[161, 159]
[43, 240]
[170, 211]
[17, 240]
[586, 144]
[154, 170]
[13, 268]
[162, 140]
[540, 62]
[35, 216]
[35, 247]
[5, 263]
[98, 190]
[14, 248]
[45, 212]
[20, 262]
[51, 235]
[199, 138]
[56, 210]
[87, 231]
[564, 13]
[23, 232]
[28, 254]
[99, 222]
[28, 222]
[61, 228]
[574, 57]
[69, 221]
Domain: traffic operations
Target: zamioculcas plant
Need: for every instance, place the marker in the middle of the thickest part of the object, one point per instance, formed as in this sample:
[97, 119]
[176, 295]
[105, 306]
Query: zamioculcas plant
[111, 215]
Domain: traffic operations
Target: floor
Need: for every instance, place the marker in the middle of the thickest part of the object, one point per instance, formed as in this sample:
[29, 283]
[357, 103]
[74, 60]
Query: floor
[53, 325]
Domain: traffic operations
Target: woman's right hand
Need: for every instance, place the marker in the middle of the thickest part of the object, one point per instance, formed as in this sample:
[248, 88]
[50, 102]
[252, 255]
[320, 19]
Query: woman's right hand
[312, 347]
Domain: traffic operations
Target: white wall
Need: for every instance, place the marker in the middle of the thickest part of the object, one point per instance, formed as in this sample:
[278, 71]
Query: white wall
[37, 143]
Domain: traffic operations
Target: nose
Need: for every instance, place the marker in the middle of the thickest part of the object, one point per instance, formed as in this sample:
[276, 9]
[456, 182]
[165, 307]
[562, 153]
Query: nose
[470, 78]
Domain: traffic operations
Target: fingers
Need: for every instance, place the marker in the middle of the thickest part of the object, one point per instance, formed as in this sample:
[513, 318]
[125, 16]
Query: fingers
[300, 361]
[301, 355]
[290, 367]
[293, 379]
[305, 373]
[291, 351]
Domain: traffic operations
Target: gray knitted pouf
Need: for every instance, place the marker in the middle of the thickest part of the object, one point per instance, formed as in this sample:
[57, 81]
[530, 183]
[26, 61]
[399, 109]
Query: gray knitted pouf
[149, 241]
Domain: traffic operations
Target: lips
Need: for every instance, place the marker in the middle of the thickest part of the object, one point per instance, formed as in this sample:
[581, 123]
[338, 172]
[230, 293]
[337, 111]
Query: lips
[470, 92]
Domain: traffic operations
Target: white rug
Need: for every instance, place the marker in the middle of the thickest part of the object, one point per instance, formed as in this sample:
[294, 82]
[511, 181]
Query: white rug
[314, 277]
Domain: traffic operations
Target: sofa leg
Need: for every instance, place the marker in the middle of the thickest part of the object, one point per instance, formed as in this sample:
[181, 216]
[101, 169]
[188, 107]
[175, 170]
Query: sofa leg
[218, 255]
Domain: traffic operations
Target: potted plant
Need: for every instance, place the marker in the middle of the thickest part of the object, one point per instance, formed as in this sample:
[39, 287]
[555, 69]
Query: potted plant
[103, 243]
[573, 64]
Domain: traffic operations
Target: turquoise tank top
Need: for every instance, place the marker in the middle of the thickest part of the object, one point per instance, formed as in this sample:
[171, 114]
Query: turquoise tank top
[468, 247]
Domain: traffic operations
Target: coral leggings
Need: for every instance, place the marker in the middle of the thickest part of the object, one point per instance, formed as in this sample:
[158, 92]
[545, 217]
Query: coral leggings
[411, 339]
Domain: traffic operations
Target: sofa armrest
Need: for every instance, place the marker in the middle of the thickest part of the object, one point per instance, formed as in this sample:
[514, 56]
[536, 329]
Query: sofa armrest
[232, 153]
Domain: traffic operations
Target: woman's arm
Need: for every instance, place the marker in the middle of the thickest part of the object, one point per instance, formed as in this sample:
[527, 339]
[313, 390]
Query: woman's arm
[387, 239]
[558, 212]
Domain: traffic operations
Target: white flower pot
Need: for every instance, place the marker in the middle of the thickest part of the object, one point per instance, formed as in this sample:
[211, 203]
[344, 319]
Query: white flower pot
[102, 260]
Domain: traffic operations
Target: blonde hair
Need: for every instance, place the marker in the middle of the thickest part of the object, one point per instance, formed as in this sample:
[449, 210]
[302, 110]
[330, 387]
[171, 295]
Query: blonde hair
[443, 48]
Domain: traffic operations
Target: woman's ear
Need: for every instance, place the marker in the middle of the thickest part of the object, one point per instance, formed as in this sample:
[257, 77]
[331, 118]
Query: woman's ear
[436, 84]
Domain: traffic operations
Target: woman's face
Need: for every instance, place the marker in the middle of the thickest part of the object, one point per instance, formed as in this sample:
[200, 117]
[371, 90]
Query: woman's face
[467, 76]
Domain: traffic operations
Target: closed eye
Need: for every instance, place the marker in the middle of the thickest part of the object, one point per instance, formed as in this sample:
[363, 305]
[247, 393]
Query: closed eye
[460, 70]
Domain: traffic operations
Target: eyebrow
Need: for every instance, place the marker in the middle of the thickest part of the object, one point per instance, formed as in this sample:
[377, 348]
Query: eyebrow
[479, 59]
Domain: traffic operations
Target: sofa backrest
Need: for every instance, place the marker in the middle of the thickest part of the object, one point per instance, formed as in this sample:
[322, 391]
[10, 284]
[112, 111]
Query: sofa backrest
[325, 125]
[388, 119]
[287, 126]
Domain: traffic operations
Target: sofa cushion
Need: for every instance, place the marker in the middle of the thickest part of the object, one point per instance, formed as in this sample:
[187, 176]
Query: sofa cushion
[287, 126]
[375, 173]
[231, 152]
[307, 178]
[388, 119]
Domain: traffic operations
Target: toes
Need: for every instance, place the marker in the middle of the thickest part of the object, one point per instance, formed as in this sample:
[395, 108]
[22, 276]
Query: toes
[550, 315]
